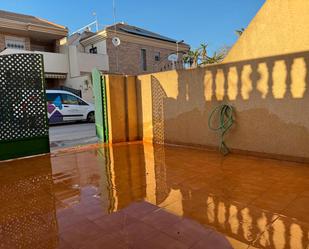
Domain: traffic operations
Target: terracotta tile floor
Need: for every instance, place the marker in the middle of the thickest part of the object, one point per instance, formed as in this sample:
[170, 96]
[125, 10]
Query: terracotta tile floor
[138, 196]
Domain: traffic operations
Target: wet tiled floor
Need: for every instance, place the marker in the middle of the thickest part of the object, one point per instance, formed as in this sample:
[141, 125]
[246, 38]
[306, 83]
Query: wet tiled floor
[142, 196]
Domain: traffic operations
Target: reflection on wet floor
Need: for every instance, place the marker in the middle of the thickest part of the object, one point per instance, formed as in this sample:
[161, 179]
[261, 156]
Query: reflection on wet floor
[143, 196]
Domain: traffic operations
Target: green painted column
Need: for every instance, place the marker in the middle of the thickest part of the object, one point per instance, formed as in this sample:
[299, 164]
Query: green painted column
[99, 92]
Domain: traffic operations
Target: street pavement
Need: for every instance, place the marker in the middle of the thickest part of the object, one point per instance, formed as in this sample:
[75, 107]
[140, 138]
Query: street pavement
[69, 135]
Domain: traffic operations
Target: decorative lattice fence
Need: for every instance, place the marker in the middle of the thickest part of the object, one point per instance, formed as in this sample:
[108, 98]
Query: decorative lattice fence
[23, 118]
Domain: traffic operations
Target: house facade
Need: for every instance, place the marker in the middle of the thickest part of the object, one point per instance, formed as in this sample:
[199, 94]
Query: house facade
[24, 33]
[69, 60]
[137, 51]
[63, 64]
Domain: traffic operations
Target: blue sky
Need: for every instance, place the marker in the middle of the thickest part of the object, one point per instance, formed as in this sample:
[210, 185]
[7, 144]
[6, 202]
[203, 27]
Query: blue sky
[195, 21]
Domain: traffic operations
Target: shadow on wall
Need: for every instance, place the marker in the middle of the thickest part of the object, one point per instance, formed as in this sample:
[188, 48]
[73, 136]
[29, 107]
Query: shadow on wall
[269, 95]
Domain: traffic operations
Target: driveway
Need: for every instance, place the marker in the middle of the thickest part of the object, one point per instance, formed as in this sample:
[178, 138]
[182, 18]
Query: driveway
[68, 135]
[153, 196]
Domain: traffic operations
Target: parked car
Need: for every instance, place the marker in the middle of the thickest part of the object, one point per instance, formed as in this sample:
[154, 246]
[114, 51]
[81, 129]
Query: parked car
[64, 106]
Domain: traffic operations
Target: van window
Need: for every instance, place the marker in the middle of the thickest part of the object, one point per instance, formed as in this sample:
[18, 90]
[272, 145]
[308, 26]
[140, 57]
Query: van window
[81, 102]
[68, 99]
[51, 97]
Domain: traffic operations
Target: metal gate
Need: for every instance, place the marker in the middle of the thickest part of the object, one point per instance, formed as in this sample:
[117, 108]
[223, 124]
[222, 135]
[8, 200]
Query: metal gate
[99, 92]
[23, 115]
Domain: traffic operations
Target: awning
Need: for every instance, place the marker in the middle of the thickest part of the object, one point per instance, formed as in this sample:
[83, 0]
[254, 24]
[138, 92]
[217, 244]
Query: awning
[55, 76]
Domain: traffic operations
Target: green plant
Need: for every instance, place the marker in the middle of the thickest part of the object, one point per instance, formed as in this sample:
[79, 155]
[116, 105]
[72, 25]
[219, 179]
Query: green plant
[216, 58]
[188, 58]
[203, 51]
[196, 57]
[199, 56]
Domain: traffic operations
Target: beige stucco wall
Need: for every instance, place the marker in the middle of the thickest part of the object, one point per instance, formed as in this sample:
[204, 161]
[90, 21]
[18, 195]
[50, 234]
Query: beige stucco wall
[280, 27]
[271, 109]
[176, 106]
[265, 78]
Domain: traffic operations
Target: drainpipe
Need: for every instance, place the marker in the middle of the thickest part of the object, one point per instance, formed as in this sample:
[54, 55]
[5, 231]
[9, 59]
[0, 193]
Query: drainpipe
[177, 49]
[177, 46]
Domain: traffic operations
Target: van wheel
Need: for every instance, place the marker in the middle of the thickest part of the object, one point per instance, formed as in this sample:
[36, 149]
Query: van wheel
[90, 117]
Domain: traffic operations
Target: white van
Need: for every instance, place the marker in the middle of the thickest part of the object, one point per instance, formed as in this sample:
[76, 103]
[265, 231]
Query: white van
[64, 106]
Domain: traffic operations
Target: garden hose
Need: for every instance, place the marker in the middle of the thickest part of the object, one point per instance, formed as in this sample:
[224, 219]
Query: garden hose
[226, 121]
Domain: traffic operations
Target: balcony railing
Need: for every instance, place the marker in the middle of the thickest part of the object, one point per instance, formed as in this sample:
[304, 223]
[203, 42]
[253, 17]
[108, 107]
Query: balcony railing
[278, 77]
[53, 62]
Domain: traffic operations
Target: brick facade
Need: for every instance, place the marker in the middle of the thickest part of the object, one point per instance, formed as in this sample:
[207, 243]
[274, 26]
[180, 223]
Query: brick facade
[130, 58]
[28, 44]
[2, 40]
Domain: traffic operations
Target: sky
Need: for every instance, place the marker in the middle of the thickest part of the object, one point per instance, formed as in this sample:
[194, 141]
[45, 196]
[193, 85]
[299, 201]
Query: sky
[195, 21]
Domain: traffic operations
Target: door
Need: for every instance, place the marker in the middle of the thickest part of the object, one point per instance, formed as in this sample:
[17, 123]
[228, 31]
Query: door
[101, 119]
[84, 108]
[71, 109]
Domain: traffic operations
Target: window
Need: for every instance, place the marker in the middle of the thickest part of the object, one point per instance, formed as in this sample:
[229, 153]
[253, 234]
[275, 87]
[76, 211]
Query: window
[157, 56]
[144, 60]
[93, 50]
[15, 42]
[51, 97]
[81, 102]
[68, 99]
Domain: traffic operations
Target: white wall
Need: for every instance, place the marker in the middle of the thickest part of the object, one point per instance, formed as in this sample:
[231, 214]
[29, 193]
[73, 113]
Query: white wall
[81, 66]
[73, 62]
[79, 83]
[55, 62]
[87, 62]
[101, 47]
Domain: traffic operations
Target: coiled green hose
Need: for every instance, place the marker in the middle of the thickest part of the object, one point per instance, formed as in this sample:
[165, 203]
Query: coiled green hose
[226, 121]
